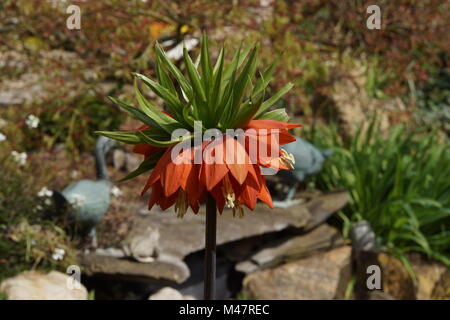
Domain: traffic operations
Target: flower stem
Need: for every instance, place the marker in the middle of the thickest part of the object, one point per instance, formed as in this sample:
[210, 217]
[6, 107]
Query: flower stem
[210, 248]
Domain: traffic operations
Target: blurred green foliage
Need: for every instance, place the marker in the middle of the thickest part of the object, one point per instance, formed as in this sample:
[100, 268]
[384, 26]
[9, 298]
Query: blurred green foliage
[318, 42]
[75, 125]
[433, 101]
[399, 183]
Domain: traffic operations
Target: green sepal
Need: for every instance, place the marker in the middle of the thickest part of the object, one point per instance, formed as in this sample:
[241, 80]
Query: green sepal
[161, 143]
[125, 137]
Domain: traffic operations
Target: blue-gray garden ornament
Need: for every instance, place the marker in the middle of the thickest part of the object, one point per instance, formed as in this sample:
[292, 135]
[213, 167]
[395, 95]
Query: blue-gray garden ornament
[308, 162]
[89, 199]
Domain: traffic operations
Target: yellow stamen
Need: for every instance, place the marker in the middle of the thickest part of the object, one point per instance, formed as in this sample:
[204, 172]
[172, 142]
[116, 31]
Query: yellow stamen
[238, 207]
[182, 204]
[287, 159]
[228, 193]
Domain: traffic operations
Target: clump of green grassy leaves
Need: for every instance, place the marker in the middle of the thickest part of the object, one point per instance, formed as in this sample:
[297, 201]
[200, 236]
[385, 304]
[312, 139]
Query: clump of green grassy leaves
[29, 235]
[399, 183]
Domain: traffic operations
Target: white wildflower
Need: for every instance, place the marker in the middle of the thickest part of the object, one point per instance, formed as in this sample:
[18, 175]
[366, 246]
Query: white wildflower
[32, 121]
[44, 192]
[2, 137]
[74, 174]
[2, 123]
[48, 202]
[19, 157]
[116, 192]
[58, 254]
[77, 200]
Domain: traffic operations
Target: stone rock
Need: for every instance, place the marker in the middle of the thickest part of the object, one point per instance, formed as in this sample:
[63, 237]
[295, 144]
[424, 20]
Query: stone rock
[168, 293]
[323, 206]
[118, 159]
[352, 104]
[166, 268]
[122, 160]
[180, 237]
[32, 285]
[442, 289]
[292, 248]
[324, 276]
[132, 162]
[379, 295]
[142, 245]
[433, 279]
[395, 278]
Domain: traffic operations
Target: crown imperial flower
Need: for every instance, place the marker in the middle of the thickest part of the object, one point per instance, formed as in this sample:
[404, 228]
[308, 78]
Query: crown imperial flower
[227, 132]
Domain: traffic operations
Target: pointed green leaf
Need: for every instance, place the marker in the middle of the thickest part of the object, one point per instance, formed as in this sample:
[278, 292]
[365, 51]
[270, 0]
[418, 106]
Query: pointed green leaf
[193, 75]
[247, 112]
[160, 143]
[219, 62]
[236, 63]
[138, 114]
[163, 77]
[184, 84]
[216, 96]
[269, 102]
[264, 79]
[205, 62]
[172, 101]
[125, 137]
[243, 81]
[277, 115]
[164, 121]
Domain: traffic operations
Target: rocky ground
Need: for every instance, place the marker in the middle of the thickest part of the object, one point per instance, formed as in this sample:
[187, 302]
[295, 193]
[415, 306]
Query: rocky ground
[289, 253]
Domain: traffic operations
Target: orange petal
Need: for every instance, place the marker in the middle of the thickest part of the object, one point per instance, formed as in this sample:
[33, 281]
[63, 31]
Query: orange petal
[249, 194]
[167, 202]
[194, 187]
[264, 195]
[156, 173]
[285, 138]
[212, 174]
[156, 194]
[271, 124]
[236, 158]
[273, 163]
[218, 196]
[176, 171]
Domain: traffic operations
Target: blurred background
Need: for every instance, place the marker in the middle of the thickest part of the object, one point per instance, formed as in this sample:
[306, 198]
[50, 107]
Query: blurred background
[376, 100]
